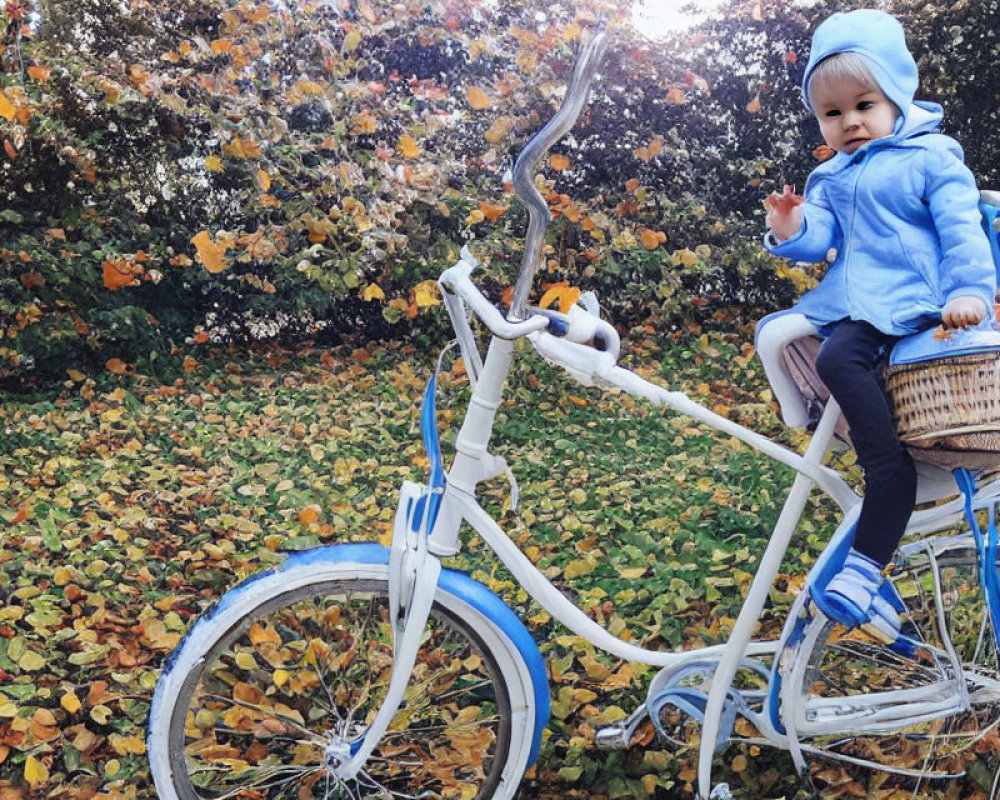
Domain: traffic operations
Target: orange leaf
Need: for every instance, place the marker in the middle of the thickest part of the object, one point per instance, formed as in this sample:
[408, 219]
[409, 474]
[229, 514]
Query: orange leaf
[477, 98]
[57, 233]
[211, 255]
[558, 162]
[118, 273]
[38, 73]
[632, 184]
[138, 74]
[754, 105]
[222, 45]
[566, 295]
[652, 239]
[309, 514]
[648, 152]
[6, 107]
[32, 280]
[676, 96]
[190, 365]
[117, 366]
[201, 337]
[9, 149]
[823, 152]
[491, 212]
[363, 123]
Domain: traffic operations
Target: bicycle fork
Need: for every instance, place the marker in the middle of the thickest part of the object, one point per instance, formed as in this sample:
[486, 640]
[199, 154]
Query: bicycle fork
[413, 579]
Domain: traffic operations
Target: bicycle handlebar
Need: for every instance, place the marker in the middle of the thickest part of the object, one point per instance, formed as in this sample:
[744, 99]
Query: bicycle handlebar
[524, 186]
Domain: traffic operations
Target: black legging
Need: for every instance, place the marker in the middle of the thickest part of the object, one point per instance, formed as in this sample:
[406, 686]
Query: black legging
[849, 364]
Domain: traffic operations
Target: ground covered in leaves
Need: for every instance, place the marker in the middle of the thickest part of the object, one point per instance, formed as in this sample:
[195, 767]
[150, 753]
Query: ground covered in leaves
[128, 507]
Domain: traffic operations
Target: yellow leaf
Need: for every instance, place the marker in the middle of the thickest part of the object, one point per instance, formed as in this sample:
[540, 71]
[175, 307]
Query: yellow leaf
[70, 702]
[214, 164]
[76, 375]
[35, 772]
[351, 41]
[127, 745]
[364, 123]
[477, 98]
[685, 257]
[499, 130]
[211, 255]
[574, 569]
[373, 292]
[281, 677]
[408, 146]
[6, 108]
[265, 180]
[426, 294]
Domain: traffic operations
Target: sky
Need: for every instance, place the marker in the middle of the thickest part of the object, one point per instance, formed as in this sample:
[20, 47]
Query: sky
[660, 17]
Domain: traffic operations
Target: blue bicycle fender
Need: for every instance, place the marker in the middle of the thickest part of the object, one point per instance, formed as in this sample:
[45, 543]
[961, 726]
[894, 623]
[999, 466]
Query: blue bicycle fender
[465, 588]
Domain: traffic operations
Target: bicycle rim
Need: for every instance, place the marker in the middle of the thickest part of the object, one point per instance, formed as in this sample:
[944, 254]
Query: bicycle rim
[862, 702]
[310, 667]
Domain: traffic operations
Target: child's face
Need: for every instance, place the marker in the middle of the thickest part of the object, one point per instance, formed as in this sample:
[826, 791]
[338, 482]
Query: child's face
[851, 114]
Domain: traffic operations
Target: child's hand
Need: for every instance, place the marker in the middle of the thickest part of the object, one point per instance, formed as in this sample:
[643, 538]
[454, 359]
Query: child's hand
[964, 311]
[784, 217]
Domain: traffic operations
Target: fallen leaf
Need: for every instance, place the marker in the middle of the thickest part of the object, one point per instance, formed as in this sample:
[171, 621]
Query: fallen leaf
[558, 162]
[408, 146]
[6, 107]
[477, 98]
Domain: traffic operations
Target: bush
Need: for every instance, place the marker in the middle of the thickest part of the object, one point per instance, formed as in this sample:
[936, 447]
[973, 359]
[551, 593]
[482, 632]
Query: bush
[196, 171]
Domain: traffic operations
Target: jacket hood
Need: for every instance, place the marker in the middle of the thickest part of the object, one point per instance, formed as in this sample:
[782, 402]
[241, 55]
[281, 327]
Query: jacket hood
[879, 39]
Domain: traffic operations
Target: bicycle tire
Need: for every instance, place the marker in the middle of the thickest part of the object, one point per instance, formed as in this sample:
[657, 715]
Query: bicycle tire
[841, 689]
[244, 708]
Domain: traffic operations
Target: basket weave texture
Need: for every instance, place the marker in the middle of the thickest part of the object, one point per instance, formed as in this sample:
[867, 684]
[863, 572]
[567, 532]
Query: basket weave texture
[948, 410]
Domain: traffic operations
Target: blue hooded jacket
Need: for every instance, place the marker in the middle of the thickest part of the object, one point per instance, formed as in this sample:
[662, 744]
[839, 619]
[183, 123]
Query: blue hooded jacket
[901, 212]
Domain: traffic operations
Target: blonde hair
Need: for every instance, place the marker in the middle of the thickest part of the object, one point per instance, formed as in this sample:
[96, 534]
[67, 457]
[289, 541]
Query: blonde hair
[841, 67]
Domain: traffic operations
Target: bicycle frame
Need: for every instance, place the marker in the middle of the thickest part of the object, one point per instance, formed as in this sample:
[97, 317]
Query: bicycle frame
[429, 519]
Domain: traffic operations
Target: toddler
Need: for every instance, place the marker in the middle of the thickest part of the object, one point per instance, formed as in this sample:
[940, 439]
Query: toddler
[900, 208]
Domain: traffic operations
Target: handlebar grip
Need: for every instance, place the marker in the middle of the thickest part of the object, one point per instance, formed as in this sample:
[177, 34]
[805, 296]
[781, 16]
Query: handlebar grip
[582, 327]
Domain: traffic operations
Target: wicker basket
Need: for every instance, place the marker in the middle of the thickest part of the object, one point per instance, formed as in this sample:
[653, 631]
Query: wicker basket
[948, 410]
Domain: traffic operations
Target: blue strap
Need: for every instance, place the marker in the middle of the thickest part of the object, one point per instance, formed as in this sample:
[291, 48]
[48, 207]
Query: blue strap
[989, 581]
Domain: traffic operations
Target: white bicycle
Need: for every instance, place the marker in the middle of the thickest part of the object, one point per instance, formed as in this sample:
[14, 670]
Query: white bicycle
[360, 671]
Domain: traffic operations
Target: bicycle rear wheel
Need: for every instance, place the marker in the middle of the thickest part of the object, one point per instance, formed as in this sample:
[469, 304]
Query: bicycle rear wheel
[266, 693]
[927, 707]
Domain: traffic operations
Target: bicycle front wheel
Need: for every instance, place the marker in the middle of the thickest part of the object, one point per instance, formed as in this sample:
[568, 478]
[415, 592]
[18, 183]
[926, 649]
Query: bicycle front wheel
[262, 695]
[926, 707]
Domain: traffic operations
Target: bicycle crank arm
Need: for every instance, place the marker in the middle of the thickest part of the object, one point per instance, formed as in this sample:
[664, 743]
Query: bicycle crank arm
[618, 735]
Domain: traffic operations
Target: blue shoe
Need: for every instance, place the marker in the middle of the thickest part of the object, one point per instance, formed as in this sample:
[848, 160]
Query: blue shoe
[852, 599]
